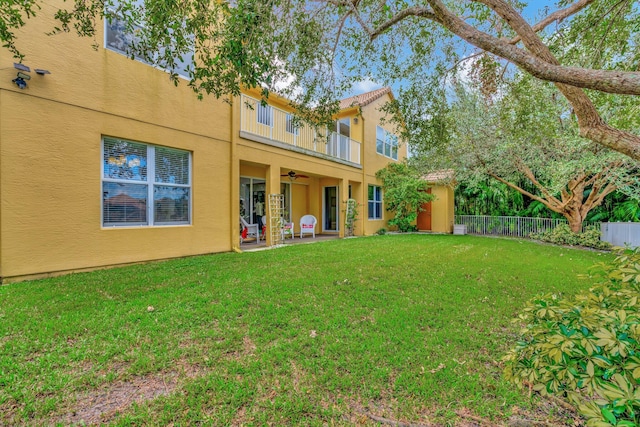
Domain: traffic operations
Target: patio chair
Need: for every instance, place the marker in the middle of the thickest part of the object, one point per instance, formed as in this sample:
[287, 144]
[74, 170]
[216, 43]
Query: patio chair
[253, 230]
[287, 230]
[308, 225]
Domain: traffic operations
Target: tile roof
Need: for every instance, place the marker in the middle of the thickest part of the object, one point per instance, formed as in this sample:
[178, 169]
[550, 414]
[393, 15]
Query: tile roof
[441, 175]
[364, 98]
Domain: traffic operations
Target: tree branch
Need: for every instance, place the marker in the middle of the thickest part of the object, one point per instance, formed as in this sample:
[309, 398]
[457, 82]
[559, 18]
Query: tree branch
[558, 15]
[531, 177]
[610, 81]
[526, 193]
[417, 11]
[591, 125]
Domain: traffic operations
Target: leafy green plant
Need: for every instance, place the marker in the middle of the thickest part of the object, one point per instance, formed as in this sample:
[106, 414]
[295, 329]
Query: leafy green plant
[351, 216]
[404, 194]
[382, 231]
[586, 348]
[563, 235]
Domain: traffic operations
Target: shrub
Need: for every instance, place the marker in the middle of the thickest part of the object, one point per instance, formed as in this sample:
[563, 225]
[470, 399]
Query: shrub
[382, 231]
[586, 348]
[562, 235]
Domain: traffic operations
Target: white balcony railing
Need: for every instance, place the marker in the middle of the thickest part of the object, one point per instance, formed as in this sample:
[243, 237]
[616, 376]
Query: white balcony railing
[278, 125]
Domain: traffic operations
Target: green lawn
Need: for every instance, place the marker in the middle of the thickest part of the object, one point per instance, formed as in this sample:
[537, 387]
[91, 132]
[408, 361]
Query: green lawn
[409, 328]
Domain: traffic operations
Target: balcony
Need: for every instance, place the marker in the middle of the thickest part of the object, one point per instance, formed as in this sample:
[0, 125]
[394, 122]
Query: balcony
[271, 125]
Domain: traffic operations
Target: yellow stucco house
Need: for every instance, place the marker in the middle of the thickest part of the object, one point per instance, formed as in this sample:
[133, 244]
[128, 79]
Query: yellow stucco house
[103, 161]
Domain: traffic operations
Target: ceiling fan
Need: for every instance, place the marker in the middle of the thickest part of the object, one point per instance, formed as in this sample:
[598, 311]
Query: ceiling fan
[293, 176]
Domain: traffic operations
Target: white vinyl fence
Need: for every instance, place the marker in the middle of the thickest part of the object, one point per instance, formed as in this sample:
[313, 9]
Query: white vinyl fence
[516, 226]
[621, 233]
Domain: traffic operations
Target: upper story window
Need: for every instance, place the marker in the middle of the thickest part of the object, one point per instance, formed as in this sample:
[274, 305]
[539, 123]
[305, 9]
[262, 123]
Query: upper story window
[121, 39]
[265, 114]
[386, 143]
[292, 126]
[144, 184]
[344, 127]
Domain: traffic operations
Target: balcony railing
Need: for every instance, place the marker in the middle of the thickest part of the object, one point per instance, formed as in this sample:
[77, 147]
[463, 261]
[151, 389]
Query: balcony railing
[274, 124]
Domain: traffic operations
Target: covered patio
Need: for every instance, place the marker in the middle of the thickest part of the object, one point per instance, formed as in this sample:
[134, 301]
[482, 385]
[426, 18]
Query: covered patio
[249, 245]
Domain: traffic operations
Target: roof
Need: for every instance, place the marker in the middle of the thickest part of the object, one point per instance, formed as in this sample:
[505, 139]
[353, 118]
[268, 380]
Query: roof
[441, 175]
[364, 98]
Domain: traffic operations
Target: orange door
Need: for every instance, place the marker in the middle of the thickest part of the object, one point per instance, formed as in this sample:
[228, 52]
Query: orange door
[424, 217]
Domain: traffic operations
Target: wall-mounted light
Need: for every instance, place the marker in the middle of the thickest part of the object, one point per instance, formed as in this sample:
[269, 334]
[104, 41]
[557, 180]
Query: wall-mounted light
[21, 67]
[20, 81]
[22, 78]
[355, 120]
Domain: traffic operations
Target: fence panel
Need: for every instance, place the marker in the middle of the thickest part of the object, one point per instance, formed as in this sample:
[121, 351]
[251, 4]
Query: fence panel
[515, 226]
[621, 233]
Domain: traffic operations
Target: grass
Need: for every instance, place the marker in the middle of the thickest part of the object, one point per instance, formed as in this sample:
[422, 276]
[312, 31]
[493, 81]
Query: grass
[403, 327]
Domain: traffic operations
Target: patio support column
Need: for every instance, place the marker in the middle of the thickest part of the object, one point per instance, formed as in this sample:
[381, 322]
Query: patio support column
[235, 179]
[272, 187]
[342, 201]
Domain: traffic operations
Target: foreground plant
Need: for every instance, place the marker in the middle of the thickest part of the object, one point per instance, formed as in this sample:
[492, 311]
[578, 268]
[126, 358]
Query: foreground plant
[586, 348]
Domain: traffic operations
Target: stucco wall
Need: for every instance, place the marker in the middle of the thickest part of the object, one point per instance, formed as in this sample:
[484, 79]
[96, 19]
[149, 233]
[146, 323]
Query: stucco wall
[442, 209]
[50, 162]
[372, 116]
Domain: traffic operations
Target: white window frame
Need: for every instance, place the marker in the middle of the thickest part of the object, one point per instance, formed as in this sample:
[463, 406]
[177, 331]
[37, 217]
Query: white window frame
[389, 143]
[264, 114]
[150, 183]
[371, 215]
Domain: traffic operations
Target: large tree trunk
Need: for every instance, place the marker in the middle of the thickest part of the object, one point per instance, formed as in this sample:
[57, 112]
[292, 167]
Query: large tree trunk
[571, 204]
[575, 221]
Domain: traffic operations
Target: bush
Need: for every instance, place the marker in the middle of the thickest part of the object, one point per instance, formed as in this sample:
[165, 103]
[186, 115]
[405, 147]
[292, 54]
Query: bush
[562, 235]
[586, 348]
[382, 231]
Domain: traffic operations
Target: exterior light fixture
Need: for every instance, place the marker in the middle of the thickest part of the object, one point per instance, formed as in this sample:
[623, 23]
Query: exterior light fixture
[20, 82]
[21, 67]
[22, 78]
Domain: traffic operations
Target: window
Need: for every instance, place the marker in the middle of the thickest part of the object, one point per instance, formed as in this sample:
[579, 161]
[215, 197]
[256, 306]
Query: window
[137, 176]
[265, 114]
[292, 126]
[375, 202]
[386, 143]
[121, 39]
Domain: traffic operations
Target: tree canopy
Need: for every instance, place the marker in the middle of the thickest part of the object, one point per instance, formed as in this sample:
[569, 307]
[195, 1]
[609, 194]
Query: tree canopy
[312, 51]
[525, 138]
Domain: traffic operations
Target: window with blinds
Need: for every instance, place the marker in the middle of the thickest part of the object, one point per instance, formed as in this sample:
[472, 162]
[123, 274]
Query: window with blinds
[375, 202]
[144, 184]
[265, 114]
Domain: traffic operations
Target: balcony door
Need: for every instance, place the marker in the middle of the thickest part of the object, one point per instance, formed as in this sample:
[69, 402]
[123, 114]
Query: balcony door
[330, 213]
[338, 145]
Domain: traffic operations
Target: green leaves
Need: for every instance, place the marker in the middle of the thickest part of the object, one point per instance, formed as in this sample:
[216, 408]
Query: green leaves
[586, 347]
[404, 194]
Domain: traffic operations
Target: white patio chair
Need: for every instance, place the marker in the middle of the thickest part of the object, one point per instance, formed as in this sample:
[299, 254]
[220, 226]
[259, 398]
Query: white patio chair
[308, 225]
[287, 230]
[253, 230]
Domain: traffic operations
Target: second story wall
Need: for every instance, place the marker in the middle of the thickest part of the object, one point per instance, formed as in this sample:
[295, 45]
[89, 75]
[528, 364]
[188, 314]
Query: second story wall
[107, 81]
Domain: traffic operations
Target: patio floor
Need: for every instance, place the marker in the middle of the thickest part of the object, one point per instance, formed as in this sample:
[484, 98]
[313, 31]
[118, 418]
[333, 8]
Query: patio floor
[251, 245]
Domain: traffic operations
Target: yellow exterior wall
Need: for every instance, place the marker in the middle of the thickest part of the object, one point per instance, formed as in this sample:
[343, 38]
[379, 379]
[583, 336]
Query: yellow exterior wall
[50, 158]
[371, 117]
[50, 161]
[442, 209]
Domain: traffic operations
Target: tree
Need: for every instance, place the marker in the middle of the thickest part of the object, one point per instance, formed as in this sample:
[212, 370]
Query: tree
[525, 140]
[321, 46]
[404, 194]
